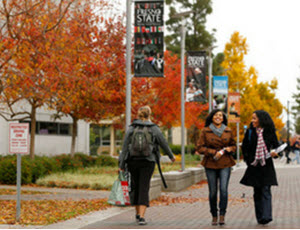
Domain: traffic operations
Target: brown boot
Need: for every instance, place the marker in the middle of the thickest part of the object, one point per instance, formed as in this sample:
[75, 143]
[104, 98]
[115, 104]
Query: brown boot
[222, 220]
[214, 220]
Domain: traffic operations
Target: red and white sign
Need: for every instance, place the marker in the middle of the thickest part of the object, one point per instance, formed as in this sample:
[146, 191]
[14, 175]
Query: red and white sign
[19, 138]
[124, 185]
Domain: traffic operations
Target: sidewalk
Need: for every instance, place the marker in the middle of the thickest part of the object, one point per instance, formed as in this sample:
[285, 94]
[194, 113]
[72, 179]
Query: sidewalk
[240, 212]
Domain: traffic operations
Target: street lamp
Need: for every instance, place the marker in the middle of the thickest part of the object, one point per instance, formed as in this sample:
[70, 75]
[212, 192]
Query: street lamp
[183, 21]
[210, 65]
[128, 64]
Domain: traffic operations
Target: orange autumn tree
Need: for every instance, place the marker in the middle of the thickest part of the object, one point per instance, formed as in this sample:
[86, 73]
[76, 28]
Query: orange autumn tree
[29, 79]
[255, 95]
[163, 95]
[92, 79]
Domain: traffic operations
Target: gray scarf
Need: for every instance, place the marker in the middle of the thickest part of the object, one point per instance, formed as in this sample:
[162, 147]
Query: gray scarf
[217, 131]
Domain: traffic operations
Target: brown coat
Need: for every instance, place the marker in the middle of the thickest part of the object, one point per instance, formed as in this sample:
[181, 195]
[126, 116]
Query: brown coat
[209, 144]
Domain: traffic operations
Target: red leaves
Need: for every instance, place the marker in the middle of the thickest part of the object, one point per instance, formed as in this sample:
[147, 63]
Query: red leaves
[163, 95]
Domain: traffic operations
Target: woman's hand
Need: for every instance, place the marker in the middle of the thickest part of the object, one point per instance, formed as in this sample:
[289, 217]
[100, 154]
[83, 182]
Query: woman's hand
[274, 154]
[228, 149]
[173, 159]
[121, 170]
[218, 156]
[197, 153]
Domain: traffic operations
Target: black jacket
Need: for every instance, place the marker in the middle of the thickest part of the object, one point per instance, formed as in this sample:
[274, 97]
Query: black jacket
[159, 140]
[258, 176]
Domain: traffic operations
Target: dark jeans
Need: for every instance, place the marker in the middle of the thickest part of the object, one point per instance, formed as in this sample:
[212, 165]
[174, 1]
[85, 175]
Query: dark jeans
[213, 176]
[141, 173]
[263, 204]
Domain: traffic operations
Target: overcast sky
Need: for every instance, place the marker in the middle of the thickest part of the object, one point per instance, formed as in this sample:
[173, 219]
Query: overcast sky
[272, 30]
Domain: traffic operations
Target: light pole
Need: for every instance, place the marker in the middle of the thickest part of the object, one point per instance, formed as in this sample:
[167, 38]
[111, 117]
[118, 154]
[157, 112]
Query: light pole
[128, 64]
[182, 48]
[210, 65]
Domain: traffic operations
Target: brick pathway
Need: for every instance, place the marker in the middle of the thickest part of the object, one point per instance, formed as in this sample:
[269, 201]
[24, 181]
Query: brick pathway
[240, 212]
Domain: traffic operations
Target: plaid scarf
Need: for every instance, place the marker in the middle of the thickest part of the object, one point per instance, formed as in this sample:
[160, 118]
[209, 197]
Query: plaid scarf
[261, 149]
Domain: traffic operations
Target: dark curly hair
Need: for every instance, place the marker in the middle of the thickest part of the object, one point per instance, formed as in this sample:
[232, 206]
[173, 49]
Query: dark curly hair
[265, 121]
[209, 118]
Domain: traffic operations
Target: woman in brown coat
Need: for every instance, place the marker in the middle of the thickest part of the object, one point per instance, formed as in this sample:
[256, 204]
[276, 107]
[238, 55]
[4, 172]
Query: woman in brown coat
[217, 144]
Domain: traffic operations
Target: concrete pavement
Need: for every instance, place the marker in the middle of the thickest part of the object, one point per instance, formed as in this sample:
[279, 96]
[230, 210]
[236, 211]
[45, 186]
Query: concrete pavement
[195, 214]
[240, 212]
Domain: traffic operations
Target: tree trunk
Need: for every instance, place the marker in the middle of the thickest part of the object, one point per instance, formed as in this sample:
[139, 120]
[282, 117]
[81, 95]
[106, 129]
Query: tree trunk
[74, 134]
[32, 131]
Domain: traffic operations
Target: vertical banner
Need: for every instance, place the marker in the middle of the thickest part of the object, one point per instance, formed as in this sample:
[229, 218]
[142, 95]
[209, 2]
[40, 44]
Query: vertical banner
[234, 108]
[196, 76]
[220, 92]
[149, 39]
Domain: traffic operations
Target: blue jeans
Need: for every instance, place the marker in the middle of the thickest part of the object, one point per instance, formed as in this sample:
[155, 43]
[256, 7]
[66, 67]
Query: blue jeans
[263, 204]
[213, 176]
[297, 156]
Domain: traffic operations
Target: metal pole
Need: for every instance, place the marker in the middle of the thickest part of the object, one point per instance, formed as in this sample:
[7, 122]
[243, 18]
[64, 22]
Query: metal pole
[288, 126]
[237, 143]
[182, 92]
[128, 64]
[18, 214]
[209, 80]
[237, 136]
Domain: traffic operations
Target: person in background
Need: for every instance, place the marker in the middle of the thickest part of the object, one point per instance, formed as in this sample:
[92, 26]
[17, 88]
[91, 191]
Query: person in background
[217, 145]
[297, 150]
[259, 140]
[141, 169]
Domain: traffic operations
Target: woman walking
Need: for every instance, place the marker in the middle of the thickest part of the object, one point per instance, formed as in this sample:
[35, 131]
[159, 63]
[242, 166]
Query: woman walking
[258, 142]
[217, 144]
[141, 163]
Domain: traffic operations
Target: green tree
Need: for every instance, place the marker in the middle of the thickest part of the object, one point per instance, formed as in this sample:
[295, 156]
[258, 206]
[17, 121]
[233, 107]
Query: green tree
[218, 70]
[296, 108]
[197, 37]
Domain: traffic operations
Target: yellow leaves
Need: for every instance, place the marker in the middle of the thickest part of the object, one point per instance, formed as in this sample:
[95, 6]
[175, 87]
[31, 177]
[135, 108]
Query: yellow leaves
[48, 211]
[255, 95]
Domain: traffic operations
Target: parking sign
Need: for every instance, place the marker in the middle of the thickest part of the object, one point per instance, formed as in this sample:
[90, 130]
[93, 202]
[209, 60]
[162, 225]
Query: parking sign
[19, 138]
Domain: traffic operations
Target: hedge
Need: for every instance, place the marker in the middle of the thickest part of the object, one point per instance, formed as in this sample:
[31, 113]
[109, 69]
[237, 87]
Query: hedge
[41, 166]
[176, 149]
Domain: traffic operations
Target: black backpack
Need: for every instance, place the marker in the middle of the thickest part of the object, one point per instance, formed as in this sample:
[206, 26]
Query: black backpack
[141, 144]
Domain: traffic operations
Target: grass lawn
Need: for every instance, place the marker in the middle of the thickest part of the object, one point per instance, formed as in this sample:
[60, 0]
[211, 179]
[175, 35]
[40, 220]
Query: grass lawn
[100, 178]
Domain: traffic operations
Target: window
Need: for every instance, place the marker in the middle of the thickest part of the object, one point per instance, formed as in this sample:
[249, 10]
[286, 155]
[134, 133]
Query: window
[51, 128]
[47, 128]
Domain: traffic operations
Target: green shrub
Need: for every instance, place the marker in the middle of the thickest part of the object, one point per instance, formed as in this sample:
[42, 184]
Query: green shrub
[103, 160]
[176, 149]
[66, 163]
[42, 166]
[86, 160]
[8, 170]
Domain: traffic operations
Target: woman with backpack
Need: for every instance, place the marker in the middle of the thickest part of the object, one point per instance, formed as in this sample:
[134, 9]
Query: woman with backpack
[259, 140]
[217, 144]
[140, 151]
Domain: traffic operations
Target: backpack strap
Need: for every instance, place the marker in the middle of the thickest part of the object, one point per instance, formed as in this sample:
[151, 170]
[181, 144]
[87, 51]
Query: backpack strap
[156, 152]
[160, 172]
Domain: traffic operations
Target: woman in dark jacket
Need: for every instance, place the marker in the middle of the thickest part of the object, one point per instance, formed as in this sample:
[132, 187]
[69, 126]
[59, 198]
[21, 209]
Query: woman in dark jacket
[257, 147]
[142, 168]
[217, 144]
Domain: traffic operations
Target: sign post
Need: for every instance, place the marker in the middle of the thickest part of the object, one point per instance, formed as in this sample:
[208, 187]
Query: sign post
[234, 116]
[18, 144]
